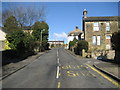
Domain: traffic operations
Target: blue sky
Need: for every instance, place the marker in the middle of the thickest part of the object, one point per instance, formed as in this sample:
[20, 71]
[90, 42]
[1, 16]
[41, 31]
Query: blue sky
[63, 17]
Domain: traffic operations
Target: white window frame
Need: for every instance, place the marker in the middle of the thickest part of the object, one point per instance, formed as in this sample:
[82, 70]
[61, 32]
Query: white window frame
[108, 37]
[94, 40]
[107, 26]
[96, 26]
[99, 40]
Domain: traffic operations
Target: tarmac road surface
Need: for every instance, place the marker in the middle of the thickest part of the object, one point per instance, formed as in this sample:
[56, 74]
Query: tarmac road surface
[58, 69]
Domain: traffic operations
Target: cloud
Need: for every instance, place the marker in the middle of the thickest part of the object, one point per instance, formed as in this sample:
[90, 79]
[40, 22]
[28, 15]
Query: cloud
[62, 35]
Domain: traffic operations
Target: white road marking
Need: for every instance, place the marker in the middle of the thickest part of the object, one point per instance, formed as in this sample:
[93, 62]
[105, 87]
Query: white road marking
[58, 60]
[58, 69]
[57, 53]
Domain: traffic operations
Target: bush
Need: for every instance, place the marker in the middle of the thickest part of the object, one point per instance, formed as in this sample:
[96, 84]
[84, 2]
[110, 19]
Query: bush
[115, 39]
[21, 42]
[82, 44]
[9, 54]
[72, 43]
[16, 40]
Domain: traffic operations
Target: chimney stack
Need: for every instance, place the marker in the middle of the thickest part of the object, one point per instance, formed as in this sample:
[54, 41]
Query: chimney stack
[76, 27]
[85, 13]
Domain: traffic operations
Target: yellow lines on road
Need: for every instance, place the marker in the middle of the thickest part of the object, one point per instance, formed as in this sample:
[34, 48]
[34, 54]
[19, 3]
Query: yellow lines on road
[82, 73]
[69, 66]
[109, 79]
[59, 84]
[92, 74]
[78, 67]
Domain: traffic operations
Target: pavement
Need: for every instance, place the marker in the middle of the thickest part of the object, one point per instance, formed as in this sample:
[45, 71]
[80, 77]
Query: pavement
[111, 69]
[59, 69]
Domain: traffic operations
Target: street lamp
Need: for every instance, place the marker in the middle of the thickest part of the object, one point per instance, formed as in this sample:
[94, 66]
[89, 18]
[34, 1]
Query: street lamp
[41, 38]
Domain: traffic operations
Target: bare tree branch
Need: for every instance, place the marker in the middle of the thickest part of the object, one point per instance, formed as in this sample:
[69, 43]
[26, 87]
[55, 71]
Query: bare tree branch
[26, 16]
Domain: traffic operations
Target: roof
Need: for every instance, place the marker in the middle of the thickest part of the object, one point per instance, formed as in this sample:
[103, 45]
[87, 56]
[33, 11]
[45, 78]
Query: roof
[75, 32]
[105, 18]
[55, 41]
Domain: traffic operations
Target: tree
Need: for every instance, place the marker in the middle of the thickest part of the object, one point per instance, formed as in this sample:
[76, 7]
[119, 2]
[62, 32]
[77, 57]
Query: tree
[37, 28]
[72, 43]
[11, 24]
[26, 16]
[21, 42]
[29, 42]
[16, 40]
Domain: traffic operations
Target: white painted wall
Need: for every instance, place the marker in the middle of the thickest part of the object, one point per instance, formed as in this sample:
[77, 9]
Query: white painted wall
[70, 38]
[2, 35]
[2, 39]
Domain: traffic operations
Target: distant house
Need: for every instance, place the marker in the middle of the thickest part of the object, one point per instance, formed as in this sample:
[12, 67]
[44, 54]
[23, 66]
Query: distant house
[28, 31]
[98, 31]
[2, 39]
[77, 33]
[56, 44]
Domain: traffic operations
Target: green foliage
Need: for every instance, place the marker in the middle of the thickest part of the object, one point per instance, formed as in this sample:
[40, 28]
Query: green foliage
[37, 28]
[115, 39]
[40, 26]
[29, 42]
[21, 41]
[72, 43]
[37, 34]
[16, 39]
[82, 44]
[11, 24]
[52, 45]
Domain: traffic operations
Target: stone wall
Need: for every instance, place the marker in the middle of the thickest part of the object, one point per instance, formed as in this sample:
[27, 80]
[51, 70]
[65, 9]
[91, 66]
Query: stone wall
[108, 54]
[89, 32]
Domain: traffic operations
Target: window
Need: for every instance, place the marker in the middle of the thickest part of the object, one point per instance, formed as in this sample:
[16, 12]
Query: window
[108, 46]
[94, 40]
[96, 26]
[107, 26]
[108, 37]
[98, 40]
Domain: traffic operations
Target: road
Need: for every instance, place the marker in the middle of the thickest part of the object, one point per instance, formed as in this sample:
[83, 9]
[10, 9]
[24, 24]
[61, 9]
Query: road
[58, 69]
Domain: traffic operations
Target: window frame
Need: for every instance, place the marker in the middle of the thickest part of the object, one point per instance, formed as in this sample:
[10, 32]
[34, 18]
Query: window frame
[107, 26]
[99, 40]
[94, 40]
[96, 26]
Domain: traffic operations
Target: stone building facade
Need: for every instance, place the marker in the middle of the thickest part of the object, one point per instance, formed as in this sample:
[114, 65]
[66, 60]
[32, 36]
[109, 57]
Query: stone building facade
[98, 31]
[56, 44]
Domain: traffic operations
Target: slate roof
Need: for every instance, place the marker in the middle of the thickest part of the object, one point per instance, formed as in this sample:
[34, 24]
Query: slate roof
[75, 32]
[105, 18]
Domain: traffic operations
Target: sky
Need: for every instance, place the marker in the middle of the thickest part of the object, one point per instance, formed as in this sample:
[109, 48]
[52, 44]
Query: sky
[63, 17]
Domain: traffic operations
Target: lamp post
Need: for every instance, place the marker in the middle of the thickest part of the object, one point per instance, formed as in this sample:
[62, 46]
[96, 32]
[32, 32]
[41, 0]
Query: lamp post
[41, 38]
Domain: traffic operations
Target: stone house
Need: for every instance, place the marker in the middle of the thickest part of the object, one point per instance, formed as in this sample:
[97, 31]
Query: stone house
[98, 32]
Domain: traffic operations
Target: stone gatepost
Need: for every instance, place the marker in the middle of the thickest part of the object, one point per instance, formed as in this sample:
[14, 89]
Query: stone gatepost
[83, 52]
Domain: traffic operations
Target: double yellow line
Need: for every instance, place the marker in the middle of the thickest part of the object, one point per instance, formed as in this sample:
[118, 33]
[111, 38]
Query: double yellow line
[109, 79]
[59, 84]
